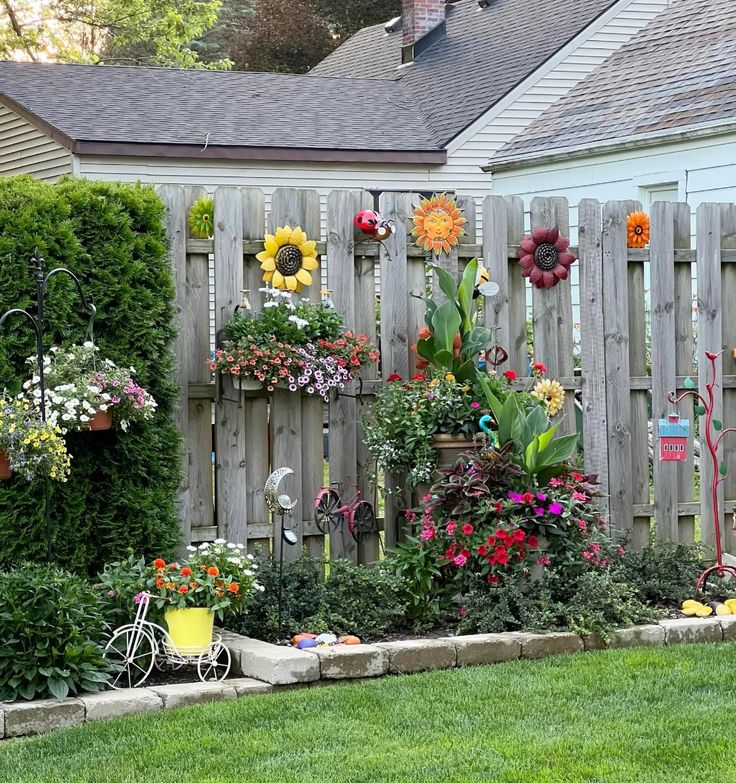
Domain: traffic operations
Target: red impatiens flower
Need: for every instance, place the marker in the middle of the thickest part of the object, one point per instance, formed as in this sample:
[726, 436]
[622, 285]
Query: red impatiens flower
[482, 550]
[533, 542]
[544, 257]
[539, 367]
[420, 376]
[510, 375]
[394, 377]
[502, 557]
[492, 580]
[519, 535]
[468, 529]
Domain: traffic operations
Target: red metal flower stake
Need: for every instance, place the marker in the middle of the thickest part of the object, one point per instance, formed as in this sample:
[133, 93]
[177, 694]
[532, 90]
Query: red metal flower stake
[720, 471]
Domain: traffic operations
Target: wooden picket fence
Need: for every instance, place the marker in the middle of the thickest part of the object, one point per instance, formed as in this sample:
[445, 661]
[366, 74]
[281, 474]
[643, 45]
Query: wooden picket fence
[624, 377]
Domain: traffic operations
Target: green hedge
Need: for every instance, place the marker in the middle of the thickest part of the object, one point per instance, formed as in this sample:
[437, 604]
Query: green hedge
[122, 489]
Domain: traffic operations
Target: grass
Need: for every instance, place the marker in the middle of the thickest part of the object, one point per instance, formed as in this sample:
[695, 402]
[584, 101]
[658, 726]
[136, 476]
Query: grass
[629, 716]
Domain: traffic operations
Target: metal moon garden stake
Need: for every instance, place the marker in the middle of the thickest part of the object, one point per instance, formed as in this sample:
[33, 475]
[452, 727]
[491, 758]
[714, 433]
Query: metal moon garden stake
[714, 432]
[281, 505]
[37, 269]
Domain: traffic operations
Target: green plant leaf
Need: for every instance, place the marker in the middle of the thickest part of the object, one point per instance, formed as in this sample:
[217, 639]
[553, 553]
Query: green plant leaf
[546, 437]
[447, 284]
[558, 451]
[425, 348]
[536, 421]
[717, 425]
[689, 383]
[530, 456]
[700, 410]
[58, 688]
[465, 294]
[445, 325]
[723, 469]
[443, 358]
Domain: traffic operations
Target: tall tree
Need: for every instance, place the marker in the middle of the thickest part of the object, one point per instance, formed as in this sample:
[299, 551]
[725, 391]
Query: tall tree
[155, 32]
[349, 16]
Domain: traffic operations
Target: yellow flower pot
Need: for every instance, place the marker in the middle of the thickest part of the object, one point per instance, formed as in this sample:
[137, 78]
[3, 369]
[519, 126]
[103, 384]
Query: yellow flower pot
[190, 629]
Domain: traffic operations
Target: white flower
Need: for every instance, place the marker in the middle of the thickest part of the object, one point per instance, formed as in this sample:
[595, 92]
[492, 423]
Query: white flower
[88, 344]
[124, 425]
[248, 573]
[250, 557]
[220, 541]
[102, 407]
[230, 546]
[83, 418]
[66, 417]
[300, 322]
[234, 560]
[191, 548]
[271, 304]
[259, 587]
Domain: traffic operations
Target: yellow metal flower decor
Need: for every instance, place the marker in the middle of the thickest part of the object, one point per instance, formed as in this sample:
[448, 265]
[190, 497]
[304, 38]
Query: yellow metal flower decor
[551, 394]
[288, 259]
[438, 224]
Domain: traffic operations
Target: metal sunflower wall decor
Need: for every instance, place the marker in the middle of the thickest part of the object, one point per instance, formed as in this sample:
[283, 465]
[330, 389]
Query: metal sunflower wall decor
[288, 259]
[544, 257]
[637, 230]
[202, 218]
[438, 224]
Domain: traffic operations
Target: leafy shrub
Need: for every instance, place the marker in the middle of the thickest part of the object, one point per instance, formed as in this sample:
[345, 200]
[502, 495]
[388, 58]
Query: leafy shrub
[119, 583]
[52, 627]
[663, 574]
[368, 602]
[122, 487]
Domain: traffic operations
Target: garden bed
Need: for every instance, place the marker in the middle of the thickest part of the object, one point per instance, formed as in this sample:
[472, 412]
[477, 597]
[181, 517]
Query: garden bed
[262, 667]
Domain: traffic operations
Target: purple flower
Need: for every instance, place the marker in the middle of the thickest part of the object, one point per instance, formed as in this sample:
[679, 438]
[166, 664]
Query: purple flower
[111, 594]
[555, 508]
[541, 497]
[515, 496]
[138, 598]
[539, 511]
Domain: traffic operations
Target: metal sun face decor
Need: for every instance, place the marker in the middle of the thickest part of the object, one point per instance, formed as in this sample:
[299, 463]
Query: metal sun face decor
[544, 257]
[288, 259]
[438, 224]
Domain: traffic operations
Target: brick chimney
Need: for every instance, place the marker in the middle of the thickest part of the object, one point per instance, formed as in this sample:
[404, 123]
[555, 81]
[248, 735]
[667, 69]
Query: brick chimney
[423, 23]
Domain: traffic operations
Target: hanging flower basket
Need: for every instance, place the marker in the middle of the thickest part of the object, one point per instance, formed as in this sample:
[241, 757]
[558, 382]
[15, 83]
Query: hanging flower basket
[5, 470]
[102, 420]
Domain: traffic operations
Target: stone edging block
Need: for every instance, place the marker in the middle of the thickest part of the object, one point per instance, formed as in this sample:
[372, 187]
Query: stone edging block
[349, 661]
[269, 662]
[542, 645]
[695, 630]
[185, 694]
[485, 648]
[38, 717]
[116, 704]
[418, 655]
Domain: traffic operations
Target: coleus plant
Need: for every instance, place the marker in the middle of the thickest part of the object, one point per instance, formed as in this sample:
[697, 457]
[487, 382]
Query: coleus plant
[457, 317]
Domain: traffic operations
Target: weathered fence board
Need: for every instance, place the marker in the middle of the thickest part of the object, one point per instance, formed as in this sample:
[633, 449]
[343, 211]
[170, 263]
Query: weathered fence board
[257, 431]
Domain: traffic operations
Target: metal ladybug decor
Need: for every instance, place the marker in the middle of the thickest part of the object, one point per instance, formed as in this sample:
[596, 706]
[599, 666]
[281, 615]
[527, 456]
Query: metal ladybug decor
[373, 225]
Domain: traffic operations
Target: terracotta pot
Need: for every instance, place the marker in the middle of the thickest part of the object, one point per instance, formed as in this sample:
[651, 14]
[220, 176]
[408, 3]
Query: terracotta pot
[102, 420]
[449, 448]
[5, 471]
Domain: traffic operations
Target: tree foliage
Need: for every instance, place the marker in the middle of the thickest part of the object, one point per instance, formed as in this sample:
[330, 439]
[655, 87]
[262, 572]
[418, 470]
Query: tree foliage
[122, 487]
[128, 32]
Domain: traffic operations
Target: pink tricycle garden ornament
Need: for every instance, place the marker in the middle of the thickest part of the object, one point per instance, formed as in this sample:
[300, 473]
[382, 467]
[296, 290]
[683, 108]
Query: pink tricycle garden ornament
[704, 407]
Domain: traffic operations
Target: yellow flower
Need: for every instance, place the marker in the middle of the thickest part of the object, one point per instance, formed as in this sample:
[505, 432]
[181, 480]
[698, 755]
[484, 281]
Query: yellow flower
[449, 377]
[288, 259]
[551, 394]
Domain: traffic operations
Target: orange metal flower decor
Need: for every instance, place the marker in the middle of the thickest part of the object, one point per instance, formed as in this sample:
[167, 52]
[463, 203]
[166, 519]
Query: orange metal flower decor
[544, 257]
[637, 229]
[438, 224]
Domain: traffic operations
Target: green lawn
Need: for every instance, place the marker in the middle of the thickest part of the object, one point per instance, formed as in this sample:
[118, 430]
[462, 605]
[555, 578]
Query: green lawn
[622, 716]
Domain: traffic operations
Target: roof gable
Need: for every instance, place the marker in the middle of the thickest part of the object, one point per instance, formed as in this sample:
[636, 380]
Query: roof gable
[484, 55]
[677, 73]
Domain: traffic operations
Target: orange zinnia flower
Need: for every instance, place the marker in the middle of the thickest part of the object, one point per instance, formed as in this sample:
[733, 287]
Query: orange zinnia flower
[186, 571]
[213, 570]
[637, 229]
[159, 563]
[183, 589]
[159, 581]
[233, 587]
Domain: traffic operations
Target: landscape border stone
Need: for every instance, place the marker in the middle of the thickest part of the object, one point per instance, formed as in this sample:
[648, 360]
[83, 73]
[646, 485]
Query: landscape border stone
[268, 668]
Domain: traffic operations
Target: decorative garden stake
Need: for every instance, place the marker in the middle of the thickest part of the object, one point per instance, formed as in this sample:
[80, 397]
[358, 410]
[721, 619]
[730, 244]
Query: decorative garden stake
[637, 230]
[673, 436]
[288, 259]
[281, 505]
[544, 257]
[704, 407]
[202, 219]
[438, 224]
[37, 269]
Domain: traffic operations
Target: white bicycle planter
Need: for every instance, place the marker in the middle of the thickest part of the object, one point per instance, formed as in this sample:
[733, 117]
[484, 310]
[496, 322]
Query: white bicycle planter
[142, 645]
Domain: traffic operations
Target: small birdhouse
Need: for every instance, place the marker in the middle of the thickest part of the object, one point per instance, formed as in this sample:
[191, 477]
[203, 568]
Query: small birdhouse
[674, 434]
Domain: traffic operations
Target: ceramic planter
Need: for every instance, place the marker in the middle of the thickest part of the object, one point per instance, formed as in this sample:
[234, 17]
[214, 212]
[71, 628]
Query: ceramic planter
[5, 470]
[102, 420]
[190, 629]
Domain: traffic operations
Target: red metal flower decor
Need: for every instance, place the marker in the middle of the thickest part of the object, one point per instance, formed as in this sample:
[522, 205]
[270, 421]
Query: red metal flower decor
[704, 407]
[544, 257]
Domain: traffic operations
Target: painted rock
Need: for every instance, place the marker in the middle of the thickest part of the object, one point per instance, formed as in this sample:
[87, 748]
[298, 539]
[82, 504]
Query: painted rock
[349, 640]
[326, 638]
[305, 644]
[298, 638]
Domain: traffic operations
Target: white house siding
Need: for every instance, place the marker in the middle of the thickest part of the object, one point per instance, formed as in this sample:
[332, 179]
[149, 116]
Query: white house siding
[26, 150]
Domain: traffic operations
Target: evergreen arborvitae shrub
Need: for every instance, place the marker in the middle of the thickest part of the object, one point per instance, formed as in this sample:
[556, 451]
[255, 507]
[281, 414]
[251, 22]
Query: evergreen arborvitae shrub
[122, 489]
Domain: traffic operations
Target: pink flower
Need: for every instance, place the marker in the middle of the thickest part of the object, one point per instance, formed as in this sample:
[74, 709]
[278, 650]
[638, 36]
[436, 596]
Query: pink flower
[555, 508]
[475, 405]
[582, 524]
[462, 612]
[460, 560]
[451, 528]
[556, 482]
[468, 529]
[427, 534]
[544, 560]
[581, 496]
[587, 555]
[138, 598]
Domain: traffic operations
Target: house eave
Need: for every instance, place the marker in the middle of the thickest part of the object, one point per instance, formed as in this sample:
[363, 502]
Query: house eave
[640, 142]
[215, 152]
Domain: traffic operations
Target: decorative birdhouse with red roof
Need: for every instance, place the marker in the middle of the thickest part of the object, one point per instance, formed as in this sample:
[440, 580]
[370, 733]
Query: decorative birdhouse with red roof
[674, 434]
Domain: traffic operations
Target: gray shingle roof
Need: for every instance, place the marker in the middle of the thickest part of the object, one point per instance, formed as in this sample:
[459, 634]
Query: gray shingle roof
[485, 54]
[229, 109]
[678, 72]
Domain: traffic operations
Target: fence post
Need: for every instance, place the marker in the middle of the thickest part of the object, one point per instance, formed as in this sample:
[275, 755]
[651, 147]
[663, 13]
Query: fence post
[230, 476]
[394, 334]
[592, 344]
[664, 358]
[255, 409]
[553, 324]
